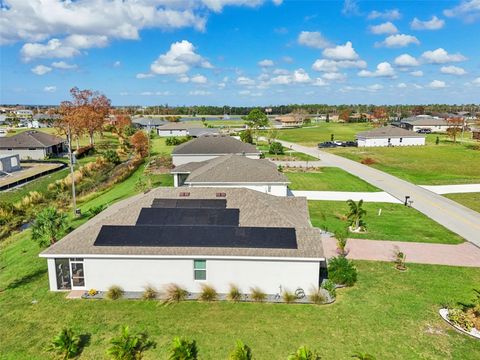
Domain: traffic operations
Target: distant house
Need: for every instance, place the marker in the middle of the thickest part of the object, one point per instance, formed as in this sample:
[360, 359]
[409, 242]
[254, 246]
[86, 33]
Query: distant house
[24, 113]
[415, 123]
[209, 147]
[389, 136]
[9, 163]
[184, 129]
[288, 121]
[32, 145]
[232, 171]
[190, 238]
[148, 123]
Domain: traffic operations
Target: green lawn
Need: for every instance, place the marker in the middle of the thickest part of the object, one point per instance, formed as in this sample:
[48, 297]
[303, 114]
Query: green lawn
[287, 156]
[389, 314]
[470, 200]
[158, 146]
[327, 179]
[396, 222]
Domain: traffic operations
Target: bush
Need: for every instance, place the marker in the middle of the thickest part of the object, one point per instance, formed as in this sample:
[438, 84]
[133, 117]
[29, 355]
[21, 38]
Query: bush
[368, 161]
[208, 293]
[174, 294]
[129, 347]
[246, 136]
[304, 353]
[276, 148]
[83, 151]
[183, 349]
[114, 292]
[241, 352]
[234, 294]
[257, 294]
[172, 141]
[330, 287]
[316, 296]
[150, 293]
[342, 271]
[112, 157]
[66, 343]
[288, 297]
[94, 211]
[460, 318]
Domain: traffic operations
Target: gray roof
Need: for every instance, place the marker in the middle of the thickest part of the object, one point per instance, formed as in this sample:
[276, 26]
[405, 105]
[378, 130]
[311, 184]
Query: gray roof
[40, 117]
[232, 169]
[215, 145]
[181, 125]
[424, 121]
[388, 132]
[31, 138]
[148, 121]
[256, 210]
[203, 131]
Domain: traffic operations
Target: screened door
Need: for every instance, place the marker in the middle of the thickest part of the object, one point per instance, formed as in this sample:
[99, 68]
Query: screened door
[62, 271]
[78, 275]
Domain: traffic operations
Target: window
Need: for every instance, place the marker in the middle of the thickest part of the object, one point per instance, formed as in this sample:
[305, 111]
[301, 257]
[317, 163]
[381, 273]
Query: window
[200, 269]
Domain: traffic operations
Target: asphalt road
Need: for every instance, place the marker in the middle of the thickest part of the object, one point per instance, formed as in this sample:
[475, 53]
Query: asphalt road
[455, 217]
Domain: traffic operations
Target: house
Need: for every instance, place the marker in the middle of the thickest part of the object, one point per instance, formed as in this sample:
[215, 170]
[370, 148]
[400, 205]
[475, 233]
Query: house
[232, 171]
[32, 144]
[147, 124]
[24, 114]
[288, 121]
[9, 163]
[389, 136]
[203, 236]
[415, 123]
[209, 147]
[184, 129]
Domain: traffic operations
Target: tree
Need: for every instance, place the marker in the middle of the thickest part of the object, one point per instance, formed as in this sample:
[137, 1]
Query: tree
[241, 352]
[129, 347]
[356, 214]
[345, 115]
[139, 142]
[418, 110]
[183, 349]
[256, 119]
[455, 126]
[304, 353]
[276, 148]
[300, 115]
[122, 120]
[246, 136]
[66, 344]
[380, 114]
[49, 226]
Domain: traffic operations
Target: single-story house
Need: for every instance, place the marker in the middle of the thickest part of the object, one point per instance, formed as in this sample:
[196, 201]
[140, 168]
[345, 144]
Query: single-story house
[389, 136]
[209, 147]
[232, 171]
[288, 121]
[148, 123]
[415, 123]
[184, 129]
[203, 236]
[32, 144]
[9, 163]
[24, 113]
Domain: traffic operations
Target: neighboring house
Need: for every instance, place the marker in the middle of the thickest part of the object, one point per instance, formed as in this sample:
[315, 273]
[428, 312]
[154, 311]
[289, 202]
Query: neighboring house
[183, 129]
[24, 113]
[288, 121]
[389, 136]
[32, 145]
[209, 147]
[9, 163]
[148, 124]
[415, 123]
[232, 171]
[204, 236]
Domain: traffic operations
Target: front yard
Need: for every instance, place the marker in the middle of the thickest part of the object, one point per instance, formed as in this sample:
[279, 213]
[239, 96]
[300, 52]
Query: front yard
[470, 200]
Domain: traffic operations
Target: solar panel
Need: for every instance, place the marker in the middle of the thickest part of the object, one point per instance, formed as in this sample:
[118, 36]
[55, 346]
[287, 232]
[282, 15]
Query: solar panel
[197, 236]
[190, 203]
[188, 216]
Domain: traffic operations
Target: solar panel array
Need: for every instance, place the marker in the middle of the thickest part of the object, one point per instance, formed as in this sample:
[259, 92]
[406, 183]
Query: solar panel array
[188, 216]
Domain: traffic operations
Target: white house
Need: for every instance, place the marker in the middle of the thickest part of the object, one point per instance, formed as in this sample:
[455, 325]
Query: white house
[203, 235]
[32, 144]
[209, 147]
[389, 136]
[420, 122]
[186, 128]
[232, 171]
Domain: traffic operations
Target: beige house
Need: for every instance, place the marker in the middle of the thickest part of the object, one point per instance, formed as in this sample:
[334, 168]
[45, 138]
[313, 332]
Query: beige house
[32, 144]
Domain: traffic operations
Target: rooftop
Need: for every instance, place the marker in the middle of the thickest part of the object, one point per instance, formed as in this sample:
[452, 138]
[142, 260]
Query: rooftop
[148, 121]
[424, 120]
[181, 125]
[215, 145]
[30, 139]
[388, 131]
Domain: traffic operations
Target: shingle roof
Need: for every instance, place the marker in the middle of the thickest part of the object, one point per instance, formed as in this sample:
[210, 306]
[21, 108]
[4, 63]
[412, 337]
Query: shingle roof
[233, 169]
[203, 131]
[148, 121]
[256, 210]
[215, 145]
[424, 121]
[388, 131]
[181, 125]
[27, 139]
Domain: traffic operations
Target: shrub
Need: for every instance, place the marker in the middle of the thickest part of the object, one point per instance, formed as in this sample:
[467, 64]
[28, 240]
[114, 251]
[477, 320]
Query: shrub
[112, 157]
[174, 294]
[399, 260]
[246, 136]
[257, 294]
[127, 346]
[288, 297]
[316, 296]
[330, 287]
[93, 211]
[241, 352]
[150, 293]
[114, 292]
[342, 271]
[304, 353]
[276, 148]
[460, 318]
[83, 151]
[341, 237]
[368, 161]
[66, 343]
[183, 349]
[208, 293]
[234, 294]
[172, 141]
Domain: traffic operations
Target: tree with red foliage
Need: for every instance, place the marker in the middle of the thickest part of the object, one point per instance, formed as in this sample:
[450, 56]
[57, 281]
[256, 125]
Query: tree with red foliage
[345, 115]
[139, 142]
[455, 126]
[380, 115]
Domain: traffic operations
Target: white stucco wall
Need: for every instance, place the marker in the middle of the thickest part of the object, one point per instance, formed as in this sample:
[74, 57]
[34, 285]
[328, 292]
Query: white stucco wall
[413, 141]
[25, 154]
[272, 189]
[179, 159]
[168, 133]
[439, 128]
[52, 278]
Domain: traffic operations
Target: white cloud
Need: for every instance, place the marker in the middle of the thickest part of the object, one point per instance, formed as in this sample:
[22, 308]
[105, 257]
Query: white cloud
[399, 40]
[476, 81]
[437, 84]
[341, 52]
[402, 86]
[385, 28]
[433, 24]
[199, 92]
[117, 63]
[350, 7]
[266, 63]
[199, 79]
[281, 72]
[281, 80]
[384, 69]
[249, 93]
[327, 65]
[301, 76]
[243, 80]
[287, 59]
[392, 14]
[41, 69]
[467, 10]
[312, 39]
[453, 70]
[183, 79]
[441, 56]
[375, 87]
[156, 93]
[334, 76]
[406, 60]
[63, 65]
[50, 89]
[418, 73]
[144, 76]
[320, 82]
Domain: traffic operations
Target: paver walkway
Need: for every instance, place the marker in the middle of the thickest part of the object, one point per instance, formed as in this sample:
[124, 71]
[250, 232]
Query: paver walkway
[446, 212]
[465, 254]
[379, 196]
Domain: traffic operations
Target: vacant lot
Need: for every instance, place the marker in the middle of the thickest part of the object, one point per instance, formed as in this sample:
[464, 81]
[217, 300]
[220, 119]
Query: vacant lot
[327, 179]
[288, 155]
[396, 222]
[470, 200]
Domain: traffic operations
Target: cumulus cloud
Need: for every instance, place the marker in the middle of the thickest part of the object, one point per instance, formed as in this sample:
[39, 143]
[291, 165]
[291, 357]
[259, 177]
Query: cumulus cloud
[199, 79]
[199, 92]
[313, 39]
[417, 73]
[281, 72]
[467, 10]
[385, 28]
[453, 70]
[399, 40]
[327, 65]
[144, 76]
[383, 69]
[300, 76]
[334, 76]
[341, 52]
[406, 60]
[266, 63]
[392, 14]
[476, 81]
[50, 89]
[63, 65]
[243, 80]
[441, 56]
[437, 84]
[433, 24]
[320, 82]
[41, 70]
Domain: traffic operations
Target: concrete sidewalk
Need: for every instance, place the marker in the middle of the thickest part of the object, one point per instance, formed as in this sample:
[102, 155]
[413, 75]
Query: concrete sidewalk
[379, 196]
[452, 189]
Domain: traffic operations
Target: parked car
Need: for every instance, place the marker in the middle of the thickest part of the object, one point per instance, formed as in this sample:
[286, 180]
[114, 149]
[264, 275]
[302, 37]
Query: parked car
[424, 131]
[327, 144]
[350, 144]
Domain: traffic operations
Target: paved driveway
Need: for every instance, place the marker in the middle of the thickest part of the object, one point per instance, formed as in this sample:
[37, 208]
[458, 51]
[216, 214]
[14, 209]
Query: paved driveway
[450, 214]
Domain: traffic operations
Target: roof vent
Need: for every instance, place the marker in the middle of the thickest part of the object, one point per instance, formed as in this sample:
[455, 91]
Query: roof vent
[184, 194]
[221, 194]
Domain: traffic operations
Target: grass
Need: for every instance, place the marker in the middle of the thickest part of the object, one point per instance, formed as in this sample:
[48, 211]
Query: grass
[327, 179]
[396, 222]
[287, 156]
[470, 200]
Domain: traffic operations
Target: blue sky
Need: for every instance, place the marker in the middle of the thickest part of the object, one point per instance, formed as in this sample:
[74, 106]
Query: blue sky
[241, 52]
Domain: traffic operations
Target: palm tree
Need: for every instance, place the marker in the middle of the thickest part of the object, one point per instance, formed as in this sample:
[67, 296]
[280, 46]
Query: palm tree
[241, 352]
[48, 227]
[129, 347]
[183, 349]
[304, 353]
[363, 356]
[355, 214]
[66, 343]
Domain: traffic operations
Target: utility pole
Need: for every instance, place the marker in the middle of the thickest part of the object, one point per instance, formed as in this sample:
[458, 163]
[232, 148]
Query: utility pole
[70, 158]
